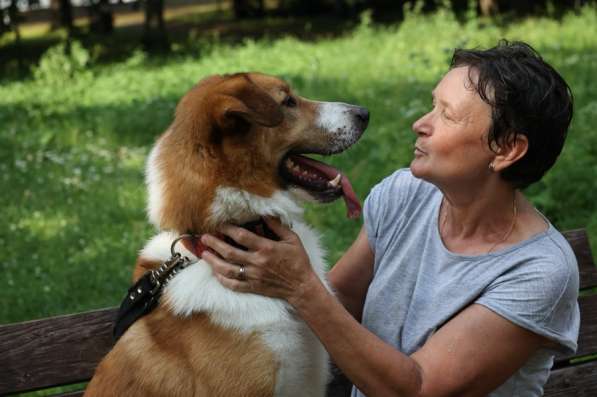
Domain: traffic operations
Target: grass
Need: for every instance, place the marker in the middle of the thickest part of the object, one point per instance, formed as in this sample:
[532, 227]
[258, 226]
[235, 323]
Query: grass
[72, 148]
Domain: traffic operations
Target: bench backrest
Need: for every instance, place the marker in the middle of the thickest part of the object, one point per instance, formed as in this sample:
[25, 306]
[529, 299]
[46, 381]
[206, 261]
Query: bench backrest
[65, 350]
[576, 375]
[55, 351]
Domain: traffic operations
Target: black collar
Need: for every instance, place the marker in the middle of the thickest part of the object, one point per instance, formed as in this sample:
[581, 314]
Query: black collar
[145, 294]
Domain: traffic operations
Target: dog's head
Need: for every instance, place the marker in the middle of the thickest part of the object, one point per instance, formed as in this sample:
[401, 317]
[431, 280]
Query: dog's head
[244, 135]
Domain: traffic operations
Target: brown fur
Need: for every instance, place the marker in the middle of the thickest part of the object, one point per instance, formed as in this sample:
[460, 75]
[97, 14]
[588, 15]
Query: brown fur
[142, 266]
[165, 355]
[228, 131]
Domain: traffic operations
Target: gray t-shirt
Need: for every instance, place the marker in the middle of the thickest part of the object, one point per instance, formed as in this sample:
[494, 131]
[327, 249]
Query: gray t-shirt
[419, 285]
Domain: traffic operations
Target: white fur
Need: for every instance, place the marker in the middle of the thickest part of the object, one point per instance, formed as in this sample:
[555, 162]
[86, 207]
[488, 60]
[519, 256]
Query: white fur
[302, 360]
[158, 248]
[336, 119]
[237, 206]
[153, 179]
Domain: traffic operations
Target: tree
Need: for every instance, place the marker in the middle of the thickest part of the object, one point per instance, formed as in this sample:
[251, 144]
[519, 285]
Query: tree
[100, 17]
[488, 7]
[62, 15]
[248, 8]
[10, 19]
[155, 35]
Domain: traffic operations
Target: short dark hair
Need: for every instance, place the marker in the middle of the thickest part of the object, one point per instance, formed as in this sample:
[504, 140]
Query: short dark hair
[527, 97]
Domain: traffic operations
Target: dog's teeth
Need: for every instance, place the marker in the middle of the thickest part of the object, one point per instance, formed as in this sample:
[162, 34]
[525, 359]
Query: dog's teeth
[336, 181]
[289, 163]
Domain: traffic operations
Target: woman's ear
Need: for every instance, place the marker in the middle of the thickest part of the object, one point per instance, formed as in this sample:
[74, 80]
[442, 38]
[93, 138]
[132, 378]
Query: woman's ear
[510, 151]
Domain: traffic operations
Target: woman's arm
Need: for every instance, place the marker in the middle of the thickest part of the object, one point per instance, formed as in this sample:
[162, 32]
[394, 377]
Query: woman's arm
[352, 274]
[470, 355]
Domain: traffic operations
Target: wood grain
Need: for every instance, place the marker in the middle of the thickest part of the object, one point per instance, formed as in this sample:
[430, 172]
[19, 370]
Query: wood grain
[579, 241]
[587, 338]
[577, 381]
[55, 351]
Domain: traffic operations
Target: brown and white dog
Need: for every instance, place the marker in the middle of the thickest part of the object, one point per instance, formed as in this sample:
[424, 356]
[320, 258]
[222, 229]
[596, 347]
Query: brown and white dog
[232, 155]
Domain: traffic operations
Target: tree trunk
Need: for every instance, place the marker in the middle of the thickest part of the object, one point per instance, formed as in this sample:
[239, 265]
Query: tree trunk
[488, 7]
[101, 18]
[154, 27]
[154, 14]
[240, 8]
[62, 15]
[340, 7]
[15, 17]
[248, 8]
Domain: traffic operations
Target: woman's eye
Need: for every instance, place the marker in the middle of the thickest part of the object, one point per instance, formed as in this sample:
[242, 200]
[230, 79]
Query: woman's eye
[289, 102]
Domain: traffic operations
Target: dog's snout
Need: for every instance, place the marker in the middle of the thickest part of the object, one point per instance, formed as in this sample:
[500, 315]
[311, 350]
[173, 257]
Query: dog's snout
[343, 123]
[362, 116]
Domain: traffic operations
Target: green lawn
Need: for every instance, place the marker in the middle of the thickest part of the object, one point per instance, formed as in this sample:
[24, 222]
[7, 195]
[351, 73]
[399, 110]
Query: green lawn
[72, 149]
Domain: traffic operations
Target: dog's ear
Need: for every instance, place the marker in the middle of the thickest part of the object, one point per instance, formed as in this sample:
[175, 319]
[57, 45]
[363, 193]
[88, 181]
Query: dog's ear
[248, 105]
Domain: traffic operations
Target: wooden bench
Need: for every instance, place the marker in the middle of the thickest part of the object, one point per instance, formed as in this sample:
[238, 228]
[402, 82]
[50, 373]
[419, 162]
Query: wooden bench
[64, 350]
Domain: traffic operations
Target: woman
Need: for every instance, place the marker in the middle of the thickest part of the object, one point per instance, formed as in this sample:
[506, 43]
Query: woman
[461, 287]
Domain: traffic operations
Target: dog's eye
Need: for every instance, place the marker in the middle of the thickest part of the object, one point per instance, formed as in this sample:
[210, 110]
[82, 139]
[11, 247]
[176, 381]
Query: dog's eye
[289, 102]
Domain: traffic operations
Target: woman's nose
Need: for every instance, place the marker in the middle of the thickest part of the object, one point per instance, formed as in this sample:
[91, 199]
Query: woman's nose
[422, 125]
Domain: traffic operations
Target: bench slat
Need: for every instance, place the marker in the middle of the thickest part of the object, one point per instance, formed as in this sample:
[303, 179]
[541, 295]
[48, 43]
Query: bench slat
[71, 394]
[587, 338]
[55, 351]
[578, 381]
[579, 241]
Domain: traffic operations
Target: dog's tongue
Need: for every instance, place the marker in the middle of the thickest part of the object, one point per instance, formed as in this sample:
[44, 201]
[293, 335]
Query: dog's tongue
[353, 206]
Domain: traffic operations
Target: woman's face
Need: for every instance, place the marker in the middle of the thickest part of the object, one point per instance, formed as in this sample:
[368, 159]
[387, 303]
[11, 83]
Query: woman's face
[451, 144]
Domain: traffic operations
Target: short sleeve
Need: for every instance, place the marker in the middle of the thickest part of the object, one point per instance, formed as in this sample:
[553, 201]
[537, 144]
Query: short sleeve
[376, 208]
[541, 296]
[371, 213]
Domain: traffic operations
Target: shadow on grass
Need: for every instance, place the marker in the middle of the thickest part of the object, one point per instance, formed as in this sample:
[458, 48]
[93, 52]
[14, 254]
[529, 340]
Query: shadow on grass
[186, 35]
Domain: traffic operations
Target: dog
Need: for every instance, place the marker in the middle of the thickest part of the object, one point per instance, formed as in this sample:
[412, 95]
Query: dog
[233, 154]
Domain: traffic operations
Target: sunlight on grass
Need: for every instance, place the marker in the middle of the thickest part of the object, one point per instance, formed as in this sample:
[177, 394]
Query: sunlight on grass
[44, 225]
[132, 158]
[126, 18]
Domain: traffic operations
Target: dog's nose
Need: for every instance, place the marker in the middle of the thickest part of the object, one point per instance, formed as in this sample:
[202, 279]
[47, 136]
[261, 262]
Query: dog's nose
[362, 116]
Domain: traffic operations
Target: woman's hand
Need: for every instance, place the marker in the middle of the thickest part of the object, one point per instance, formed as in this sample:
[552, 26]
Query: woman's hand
[279, 269]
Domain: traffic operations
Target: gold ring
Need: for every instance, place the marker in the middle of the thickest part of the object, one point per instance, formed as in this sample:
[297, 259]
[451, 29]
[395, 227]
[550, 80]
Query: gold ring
[242, 275]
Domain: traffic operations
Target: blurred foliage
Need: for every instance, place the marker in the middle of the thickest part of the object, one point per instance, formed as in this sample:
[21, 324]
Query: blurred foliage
[61, 63]
[74, 138]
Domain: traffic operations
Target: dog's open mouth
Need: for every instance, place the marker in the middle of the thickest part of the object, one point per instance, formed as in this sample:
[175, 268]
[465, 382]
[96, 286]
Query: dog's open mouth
[322, 181]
